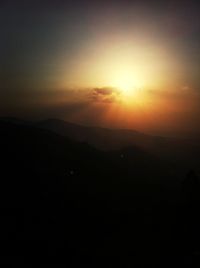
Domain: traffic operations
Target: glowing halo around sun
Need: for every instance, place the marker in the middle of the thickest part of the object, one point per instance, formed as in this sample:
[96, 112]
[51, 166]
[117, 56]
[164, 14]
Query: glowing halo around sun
[131, 66]
[127, 83]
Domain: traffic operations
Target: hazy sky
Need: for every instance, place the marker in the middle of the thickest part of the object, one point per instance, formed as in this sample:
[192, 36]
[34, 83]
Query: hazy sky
[131, 64]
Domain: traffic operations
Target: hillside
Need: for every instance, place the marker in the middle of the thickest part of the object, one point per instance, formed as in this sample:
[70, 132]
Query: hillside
[181, 152]
[73, 200]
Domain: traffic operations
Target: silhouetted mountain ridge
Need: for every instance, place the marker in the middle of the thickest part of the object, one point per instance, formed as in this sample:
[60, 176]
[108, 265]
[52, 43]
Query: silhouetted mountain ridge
[171, 149]
[182, 152]
[78, 202]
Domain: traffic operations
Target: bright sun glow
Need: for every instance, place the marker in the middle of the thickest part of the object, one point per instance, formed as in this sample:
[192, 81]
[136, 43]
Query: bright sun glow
[126, 82]
[126, 85]
[132, 67]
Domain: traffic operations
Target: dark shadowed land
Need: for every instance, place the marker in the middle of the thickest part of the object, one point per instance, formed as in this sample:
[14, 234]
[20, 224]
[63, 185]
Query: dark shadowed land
[68, 198]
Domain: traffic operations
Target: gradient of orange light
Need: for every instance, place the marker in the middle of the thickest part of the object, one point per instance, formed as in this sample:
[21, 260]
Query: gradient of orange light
[155, 114]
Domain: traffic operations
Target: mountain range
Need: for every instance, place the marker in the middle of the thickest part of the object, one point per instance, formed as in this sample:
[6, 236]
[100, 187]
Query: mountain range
[64, 191]
[179, 151]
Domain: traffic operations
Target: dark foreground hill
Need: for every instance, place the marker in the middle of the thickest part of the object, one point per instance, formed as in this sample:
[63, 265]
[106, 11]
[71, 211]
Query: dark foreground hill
[67, 203]
[180, 151]
[183, 152]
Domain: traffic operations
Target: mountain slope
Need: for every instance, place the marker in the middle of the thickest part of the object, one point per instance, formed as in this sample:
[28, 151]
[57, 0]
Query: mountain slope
[179, 151]
[76, 202]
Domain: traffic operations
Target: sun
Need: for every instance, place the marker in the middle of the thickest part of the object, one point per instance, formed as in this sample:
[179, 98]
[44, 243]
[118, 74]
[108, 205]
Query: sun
[127, 83]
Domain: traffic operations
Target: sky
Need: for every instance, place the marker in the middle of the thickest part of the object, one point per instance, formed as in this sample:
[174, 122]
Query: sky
[120, 64]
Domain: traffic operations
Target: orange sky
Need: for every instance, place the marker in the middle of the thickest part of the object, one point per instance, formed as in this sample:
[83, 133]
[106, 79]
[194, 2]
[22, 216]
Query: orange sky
[124, 64]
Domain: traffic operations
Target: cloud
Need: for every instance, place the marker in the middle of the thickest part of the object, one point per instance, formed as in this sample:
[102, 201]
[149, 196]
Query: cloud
[104, 94]
[104, 90]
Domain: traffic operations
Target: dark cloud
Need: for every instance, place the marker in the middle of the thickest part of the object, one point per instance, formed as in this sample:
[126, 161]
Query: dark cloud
[104, 94]
[103, 90]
